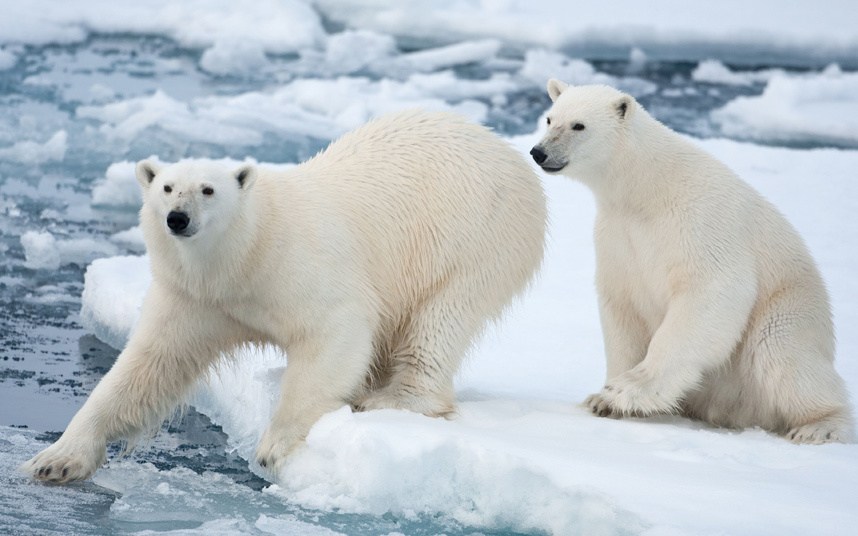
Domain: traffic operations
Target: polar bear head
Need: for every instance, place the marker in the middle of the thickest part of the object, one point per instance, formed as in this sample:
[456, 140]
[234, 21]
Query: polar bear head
[193, 199]
[584, 126]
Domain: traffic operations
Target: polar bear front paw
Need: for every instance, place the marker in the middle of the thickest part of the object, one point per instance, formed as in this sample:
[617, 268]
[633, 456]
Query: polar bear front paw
[66, 460]
[275, 446]
[632, 395]
[827, 430]
[600, 406]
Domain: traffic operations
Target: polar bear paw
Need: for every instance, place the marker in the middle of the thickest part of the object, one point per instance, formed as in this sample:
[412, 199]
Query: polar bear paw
[276, 445]
[631, 395]
[830, 430]
[66, 460]
[388, 398]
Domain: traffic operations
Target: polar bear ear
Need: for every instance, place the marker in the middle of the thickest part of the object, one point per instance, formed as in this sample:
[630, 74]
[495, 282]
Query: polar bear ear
[624, 106]
[146, 171]
[246, 176]
[555, 88]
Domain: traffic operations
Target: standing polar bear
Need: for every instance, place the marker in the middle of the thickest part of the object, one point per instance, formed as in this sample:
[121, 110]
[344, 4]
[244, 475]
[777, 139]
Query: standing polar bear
[710, 302]
[374, 265]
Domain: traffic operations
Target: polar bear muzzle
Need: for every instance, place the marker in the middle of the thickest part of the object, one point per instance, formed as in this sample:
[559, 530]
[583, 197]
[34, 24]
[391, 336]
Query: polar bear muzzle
[178, 222]
[541, 158]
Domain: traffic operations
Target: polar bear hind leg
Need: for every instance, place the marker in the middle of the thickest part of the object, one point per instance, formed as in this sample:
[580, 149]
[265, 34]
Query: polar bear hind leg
[427, 354]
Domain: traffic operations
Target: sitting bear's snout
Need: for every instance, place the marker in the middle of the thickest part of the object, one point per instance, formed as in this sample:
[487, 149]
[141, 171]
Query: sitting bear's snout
[538, 154]
[178, 221]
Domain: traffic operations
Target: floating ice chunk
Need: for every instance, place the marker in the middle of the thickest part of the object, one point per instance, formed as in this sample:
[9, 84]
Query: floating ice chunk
[637, 60]
[234, 57]
[40, 250]
[34, 153]
[44, 252]
[796, 109]
[312, 107]
[7, 59]
[351, 51]
[288, 525]
[127, 119]
[713, 71]
[101, 92]
[446, 85]
[119, 187]
[130, 238]
[540, 65]
[112, 296]
[448, 56]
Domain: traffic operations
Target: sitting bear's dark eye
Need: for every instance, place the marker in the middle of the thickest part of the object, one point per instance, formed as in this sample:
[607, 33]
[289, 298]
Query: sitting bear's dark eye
[208, 190]
[168, 189]
[548, 120]
[578, 126]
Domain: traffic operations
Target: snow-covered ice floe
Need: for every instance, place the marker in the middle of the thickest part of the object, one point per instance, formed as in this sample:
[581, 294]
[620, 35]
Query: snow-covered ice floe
[522, 455]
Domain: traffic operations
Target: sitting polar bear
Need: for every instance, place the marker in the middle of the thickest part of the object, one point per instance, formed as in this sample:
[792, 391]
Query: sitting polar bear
[710, 302]
[374, 265]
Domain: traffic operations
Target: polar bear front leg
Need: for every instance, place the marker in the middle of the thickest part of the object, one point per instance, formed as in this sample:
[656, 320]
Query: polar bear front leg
[625, 338]
[171, 347]
[699, 332]
[322, 374]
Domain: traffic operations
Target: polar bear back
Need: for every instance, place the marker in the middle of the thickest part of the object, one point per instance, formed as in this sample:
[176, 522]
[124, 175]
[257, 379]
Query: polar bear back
[427, 197]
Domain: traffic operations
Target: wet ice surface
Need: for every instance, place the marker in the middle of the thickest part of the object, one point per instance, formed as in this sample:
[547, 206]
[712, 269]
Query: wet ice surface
[73, 118]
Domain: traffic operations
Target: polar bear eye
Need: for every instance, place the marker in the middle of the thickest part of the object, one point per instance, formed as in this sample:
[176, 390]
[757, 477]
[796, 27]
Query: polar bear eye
[168, 188]
[548, 120]
[578, 126]
[208, 190]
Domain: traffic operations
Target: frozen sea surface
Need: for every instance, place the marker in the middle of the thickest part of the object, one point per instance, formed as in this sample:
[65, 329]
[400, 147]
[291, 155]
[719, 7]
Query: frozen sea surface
[90, 87]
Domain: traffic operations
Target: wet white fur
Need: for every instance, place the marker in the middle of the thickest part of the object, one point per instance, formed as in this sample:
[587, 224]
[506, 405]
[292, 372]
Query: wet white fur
[710, 302]
[374, 265]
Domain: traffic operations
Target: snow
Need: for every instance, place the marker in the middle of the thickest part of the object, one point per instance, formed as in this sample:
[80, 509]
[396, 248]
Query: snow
[797, 109]
[521, 453]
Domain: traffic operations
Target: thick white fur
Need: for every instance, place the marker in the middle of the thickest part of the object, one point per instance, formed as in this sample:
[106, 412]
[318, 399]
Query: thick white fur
[711, 305]
[374, 265]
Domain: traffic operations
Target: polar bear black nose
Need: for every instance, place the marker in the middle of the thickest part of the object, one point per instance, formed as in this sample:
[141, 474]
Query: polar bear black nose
[538, 155]
[177, 221]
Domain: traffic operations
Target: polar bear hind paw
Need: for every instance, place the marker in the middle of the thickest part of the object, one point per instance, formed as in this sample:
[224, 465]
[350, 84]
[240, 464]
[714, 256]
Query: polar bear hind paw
[826, 430]
[427, 404]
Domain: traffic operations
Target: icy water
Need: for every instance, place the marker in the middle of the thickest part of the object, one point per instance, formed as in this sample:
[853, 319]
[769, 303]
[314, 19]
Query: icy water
[185, 479]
